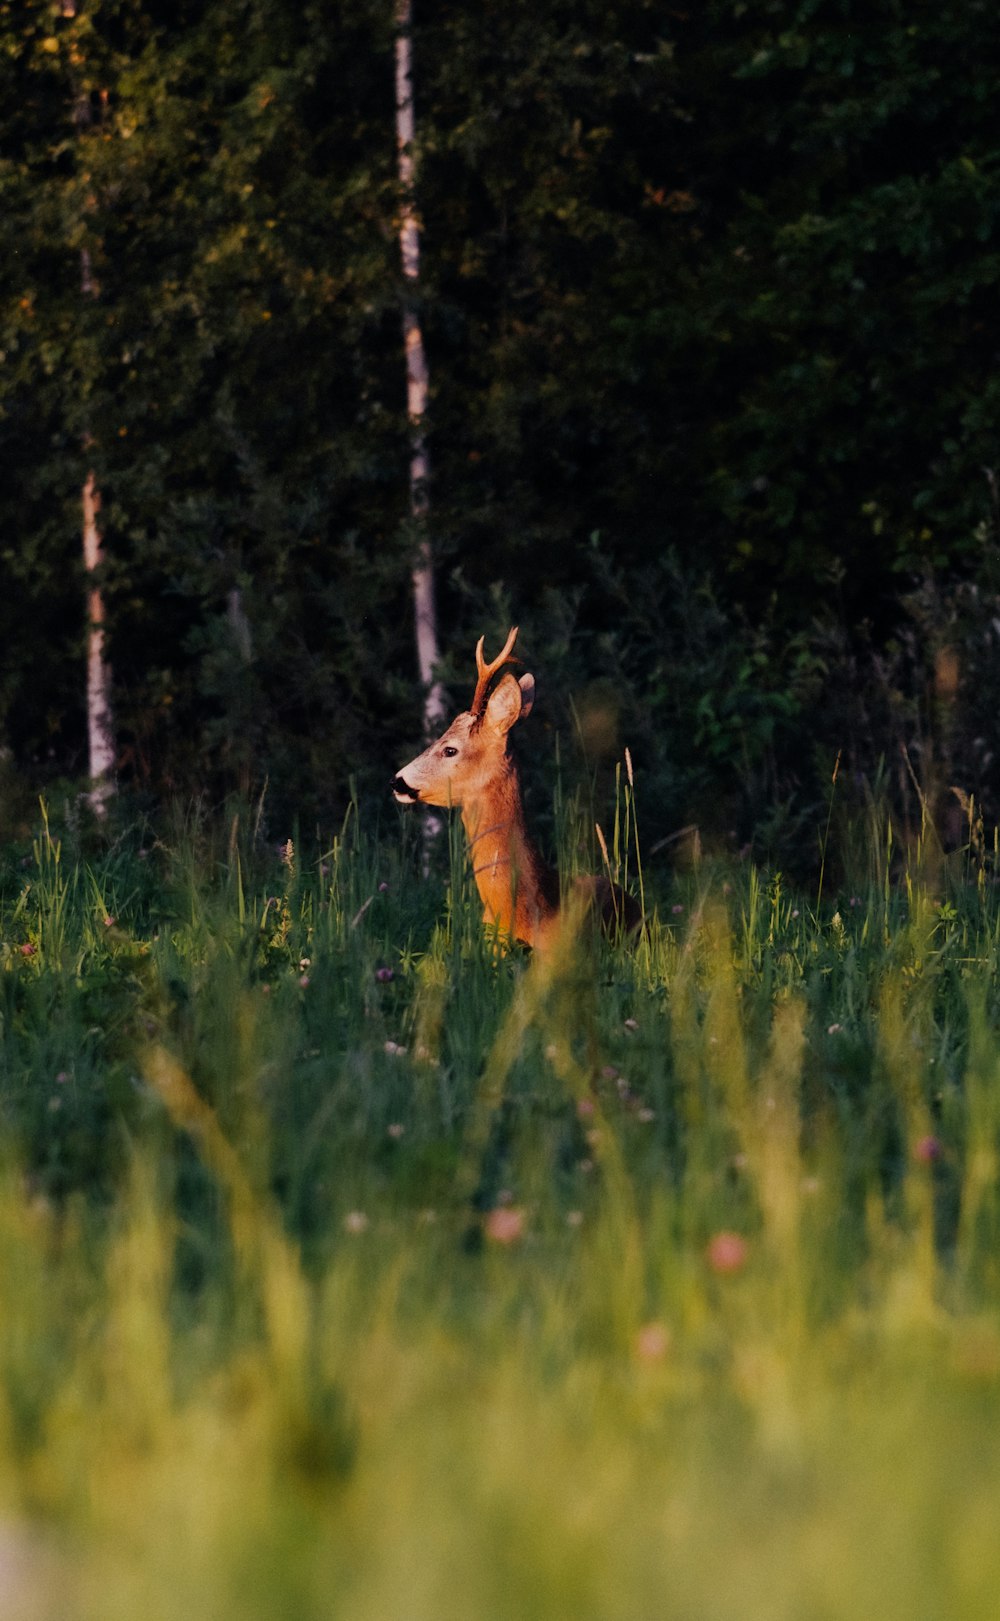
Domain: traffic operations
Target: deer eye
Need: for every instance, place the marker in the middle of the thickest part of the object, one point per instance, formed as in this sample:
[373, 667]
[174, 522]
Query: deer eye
[448, 752]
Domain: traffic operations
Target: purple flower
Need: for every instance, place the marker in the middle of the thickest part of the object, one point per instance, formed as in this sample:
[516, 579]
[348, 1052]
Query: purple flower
[927, 1150]
[384, 975]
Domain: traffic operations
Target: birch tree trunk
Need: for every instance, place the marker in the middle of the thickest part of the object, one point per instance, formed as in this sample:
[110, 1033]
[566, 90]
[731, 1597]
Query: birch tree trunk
[100, 730]
[425, 612]
[100, 724]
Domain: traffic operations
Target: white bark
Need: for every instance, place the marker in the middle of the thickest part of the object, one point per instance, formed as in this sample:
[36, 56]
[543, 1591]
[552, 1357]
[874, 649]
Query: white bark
[100, 724]
[100, 729]
[425, 612]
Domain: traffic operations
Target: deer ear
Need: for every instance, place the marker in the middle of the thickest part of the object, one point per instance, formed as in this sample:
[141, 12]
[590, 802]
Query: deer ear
[504, 706]
[527, 686]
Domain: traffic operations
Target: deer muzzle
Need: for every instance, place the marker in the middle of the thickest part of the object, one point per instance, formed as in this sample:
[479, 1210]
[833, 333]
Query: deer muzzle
[403, 792]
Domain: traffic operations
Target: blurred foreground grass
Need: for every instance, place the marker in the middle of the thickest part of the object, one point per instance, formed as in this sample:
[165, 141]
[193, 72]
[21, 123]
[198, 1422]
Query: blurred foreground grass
[348, 1271]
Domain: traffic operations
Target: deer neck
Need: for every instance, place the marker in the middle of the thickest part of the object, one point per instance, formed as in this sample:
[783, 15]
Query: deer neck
[518, 891]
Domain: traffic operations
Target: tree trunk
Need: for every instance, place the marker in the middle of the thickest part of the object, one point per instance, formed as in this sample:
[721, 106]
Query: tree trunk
[100, 725]
[100, 730]
[416, 379]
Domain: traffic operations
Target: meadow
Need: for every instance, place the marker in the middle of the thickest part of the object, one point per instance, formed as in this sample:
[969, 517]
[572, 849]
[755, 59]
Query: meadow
[350, 1268]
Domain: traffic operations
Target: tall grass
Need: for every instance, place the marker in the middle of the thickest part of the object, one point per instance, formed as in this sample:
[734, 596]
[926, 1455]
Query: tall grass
[349, 1268]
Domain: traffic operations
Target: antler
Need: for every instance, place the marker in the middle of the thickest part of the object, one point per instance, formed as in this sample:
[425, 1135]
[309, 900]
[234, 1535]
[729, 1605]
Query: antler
[486, 672]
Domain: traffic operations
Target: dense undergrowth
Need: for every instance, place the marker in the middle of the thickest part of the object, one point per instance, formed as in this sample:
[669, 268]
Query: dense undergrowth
[349, 1268]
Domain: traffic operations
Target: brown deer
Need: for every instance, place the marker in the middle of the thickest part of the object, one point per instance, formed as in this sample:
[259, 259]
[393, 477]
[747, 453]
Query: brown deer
[470, 768]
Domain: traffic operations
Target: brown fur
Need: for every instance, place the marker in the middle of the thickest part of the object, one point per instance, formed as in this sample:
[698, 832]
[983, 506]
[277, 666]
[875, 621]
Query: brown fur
[470, 767]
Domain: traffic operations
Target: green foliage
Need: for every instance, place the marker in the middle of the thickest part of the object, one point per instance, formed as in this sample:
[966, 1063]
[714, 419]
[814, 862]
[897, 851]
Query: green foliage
[228, 376]
[866, 244]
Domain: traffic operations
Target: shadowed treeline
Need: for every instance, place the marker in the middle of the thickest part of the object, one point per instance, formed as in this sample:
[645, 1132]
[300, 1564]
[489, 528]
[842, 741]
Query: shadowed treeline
[706, 297]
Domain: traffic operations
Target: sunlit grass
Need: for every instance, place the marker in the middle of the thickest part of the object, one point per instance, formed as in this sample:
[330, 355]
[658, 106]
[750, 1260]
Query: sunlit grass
[350, 1269]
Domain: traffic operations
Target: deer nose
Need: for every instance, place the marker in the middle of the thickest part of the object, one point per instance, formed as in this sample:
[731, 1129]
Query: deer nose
[402, 790]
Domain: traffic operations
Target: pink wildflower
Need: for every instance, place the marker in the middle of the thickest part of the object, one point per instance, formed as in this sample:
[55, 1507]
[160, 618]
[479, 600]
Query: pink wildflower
[727, 1253]
[927, 1150]
[505, 1225]
[652, 1342]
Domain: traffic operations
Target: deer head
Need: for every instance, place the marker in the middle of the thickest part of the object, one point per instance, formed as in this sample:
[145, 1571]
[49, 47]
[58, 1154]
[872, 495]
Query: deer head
[471, 755]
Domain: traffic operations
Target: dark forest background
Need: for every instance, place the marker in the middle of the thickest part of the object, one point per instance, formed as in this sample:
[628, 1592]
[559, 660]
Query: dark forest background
[710, 300]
